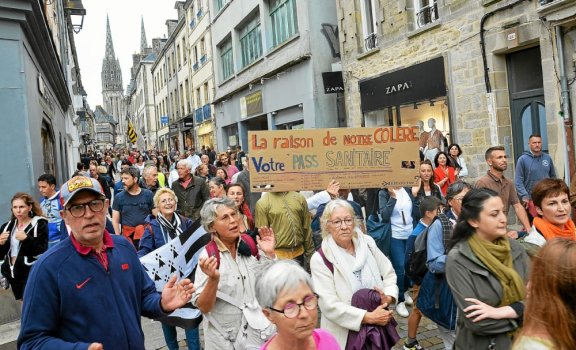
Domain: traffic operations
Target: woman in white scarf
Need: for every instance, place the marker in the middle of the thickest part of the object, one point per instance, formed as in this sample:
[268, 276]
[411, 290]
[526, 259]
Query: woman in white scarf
[349, 260]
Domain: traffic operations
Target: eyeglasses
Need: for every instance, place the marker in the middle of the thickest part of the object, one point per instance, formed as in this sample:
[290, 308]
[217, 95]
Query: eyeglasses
[79, 210]
[292, 310]
[347, 222]
[167, 200]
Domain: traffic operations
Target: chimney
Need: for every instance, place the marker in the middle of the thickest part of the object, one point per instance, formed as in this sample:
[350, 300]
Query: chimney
[171, 25]
[179, 5]
[158, 44]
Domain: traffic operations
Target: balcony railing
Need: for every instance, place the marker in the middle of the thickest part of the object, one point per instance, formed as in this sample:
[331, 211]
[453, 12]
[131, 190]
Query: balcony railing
[371, 42]
[427, 15]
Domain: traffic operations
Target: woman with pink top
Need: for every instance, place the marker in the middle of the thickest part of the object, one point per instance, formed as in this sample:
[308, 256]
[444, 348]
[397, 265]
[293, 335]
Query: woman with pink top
[286, 296]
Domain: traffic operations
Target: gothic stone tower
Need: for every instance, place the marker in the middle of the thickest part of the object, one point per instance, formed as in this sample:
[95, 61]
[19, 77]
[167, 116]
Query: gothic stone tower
[112, 91]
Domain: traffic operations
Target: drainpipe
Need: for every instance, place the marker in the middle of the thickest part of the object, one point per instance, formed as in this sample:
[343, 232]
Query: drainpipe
[565, 103]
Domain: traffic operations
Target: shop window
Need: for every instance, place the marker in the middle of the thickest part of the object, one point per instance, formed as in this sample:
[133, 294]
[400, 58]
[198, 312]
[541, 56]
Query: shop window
[283, 20]
[369, 24]
[250, 41]
[425, 12]
[430, 116]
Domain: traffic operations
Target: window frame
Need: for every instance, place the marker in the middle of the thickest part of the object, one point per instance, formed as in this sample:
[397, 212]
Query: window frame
[250, 39]
[226, 59]
[370, 39]
[287, 16]
[421, 18]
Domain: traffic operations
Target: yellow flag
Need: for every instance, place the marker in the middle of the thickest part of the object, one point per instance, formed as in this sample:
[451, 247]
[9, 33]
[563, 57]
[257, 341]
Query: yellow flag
[132, 133]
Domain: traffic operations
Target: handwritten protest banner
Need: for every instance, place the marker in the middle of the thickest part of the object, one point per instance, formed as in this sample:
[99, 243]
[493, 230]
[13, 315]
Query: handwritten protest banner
[286, 160]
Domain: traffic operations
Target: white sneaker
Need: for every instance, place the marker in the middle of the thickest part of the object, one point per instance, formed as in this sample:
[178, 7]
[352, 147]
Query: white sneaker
[401, 310]
[408, 298]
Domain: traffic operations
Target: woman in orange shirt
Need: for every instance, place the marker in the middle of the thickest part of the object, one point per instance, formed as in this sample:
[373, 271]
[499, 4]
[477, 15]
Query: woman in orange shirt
[444, 174]
[551, 199]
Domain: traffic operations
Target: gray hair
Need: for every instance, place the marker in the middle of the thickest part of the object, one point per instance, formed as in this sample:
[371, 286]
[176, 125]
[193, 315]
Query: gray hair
[329, 209]
[147, 169]
[280, 276]
[186, 162]
[209, 210]
[455, 189]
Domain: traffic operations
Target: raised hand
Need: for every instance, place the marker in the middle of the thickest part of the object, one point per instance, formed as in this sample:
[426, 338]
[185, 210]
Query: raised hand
[333, 188]
[176, 294]
[209, 266]
[266, 241]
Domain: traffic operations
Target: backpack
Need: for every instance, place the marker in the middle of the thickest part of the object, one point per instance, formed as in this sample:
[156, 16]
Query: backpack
[212, 248]
[416, 268]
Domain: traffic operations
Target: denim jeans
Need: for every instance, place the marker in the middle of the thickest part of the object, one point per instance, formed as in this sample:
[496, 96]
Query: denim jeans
[397, 256]
[170, 335]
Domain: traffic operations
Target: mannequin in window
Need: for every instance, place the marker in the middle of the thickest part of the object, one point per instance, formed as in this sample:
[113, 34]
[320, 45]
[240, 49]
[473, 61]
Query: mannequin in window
[423, 134]
[434, 142]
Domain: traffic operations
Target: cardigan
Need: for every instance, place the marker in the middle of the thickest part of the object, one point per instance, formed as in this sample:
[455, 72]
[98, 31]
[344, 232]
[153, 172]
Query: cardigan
[335, 291]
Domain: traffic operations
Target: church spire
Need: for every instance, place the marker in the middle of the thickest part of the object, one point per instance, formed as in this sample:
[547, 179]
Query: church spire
[111, 72]
[109, 45]
[143, 42]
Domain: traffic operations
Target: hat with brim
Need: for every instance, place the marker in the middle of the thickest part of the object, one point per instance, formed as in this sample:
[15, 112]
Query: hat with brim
[79, 184]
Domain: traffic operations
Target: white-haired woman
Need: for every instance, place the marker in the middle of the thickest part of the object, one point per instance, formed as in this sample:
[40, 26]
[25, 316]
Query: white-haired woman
[159, 230]
[286, 294]
[347, 262]
[225, 281]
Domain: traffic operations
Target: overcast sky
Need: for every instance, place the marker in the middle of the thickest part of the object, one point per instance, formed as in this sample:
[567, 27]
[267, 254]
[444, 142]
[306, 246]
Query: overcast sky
[125, 25]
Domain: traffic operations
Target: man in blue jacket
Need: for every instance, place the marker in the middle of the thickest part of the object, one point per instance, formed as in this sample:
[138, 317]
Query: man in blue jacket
[532, 167]
[89, 291]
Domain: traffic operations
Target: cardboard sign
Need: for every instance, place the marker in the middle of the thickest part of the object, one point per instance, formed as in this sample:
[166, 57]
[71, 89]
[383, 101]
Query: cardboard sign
[295, 160]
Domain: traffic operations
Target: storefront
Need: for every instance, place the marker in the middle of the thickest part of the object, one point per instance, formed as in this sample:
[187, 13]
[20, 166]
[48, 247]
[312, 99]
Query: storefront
[206, 134]
[414, 96]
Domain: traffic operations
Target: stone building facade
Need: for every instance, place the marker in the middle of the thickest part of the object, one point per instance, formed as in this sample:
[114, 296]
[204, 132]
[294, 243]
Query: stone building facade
[488, 72]
[201, 86]
[171, 82]
[140, 95]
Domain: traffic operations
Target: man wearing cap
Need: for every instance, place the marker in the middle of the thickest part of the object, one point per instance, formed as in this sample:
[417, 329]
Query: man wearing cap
[89, 291]
[131, 207]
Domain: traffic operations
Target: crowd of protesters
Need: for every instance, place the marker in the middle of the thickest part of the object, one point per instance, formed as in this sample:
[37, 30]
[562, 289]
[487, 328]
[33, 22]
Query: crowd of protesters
[275, 258]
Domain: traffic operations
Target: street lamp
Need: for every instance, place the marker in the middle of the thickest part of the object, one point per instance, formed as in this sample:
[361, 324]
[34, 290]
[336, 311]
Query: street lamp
[76, 9]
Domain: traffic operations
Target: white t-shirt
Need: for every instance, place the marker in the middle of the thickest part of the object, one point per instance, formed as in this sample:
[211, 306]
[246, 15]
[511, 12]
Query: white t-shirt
[401, 219]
